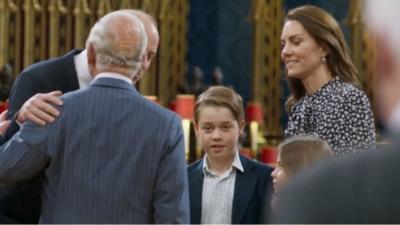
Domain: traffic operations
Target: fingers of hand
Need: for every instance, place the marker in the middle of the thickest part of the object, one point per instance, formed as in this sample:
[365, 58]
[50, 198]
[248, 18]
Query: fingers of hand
[52, 97]
[3, 126]
[40, 109]
[3, 116]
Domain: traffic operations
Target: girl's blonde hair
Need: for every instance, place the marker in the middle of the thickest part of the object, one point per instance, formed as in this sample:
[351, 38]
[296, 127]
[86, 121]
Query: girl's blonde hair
[301, 151]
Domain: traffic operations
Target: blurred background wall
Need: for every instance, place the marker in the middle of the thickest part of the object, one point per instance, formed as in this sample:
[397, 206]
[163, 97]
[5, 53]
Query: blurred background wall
[203, 42]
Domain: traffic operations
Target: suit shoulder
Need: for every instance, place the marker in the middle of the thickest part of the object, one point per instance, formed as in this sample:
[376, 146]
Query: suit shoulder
[42, 68]
[260, 167]
[195, 166]
[161, 111]
[43, 65]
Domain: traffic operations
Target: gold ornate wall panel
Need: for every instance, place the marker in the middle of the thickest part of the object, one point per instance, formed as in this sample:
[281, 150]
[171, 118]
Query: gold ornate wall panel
[33, 30]
[9, 38]
[83, 19]
[179, 32]
[57, 26]
[172, 19]
[165, 64]
[363, 49]
[103, 8]
[148, 84]
[266, 83]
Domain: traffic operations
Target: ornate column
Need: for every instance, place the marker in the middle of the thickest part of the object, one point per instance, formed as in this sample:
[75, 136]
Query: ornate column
[82, 24]
[31, 9]
[363, 49]
[266, 79]
[7, 7]
[56, 11]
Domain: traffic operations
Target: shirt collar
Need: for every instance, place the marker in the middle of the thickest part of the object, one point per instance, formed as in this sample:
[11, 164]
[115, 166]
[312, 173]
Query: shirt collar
[237, 164]
[82, 69]
[113, 75]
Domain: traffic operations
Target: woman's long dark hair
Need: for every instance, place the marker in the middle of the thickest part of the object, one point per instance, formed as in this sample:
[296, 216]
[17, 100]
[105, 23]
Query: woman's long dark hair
[326, 32]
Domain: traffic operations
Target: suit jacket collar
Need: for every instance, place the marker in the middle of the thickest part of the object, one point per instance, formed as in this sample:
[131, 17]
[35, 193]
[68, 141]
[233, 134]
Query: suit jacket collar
[244, 188]
[113, 82]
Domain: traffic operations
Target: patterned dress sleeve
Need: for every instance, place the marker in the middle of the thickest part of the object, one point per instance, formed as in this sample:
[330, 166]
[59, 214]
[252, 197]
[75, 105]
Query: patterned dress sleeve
[349, 127]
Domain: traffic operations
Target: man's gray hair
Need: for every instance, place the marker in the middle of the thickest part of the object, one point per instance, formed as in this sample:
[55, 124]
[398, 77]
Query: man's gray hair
[105, 37]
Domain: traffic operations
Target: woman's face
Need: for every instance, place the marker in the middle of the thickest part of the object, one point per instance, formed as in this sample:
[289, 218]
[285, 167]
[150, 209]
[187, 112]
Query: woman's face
[279, 175]
[301, 54]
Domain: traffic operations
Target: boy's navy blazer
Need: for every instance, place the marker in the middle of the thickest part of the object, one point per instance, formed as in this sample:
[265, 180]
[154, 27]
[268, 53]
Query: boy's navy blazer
[253, 189]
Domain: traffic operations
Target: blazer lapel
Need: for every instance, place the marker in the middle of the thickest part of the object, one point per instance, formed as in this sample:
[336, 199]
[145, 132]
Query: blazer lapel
[196, 177]
[244, 189]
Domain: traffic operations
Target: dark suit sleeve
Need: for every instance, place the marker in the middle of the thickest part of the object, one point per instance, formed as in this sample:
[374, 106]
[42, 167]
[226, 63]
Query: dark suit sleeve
[24, 156]
[171, 192]
[24, 88]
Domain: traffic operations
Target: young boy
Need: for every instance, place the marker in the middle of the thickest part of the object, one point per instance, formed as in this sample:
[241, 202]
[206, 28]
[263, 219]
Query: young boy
[225, 188]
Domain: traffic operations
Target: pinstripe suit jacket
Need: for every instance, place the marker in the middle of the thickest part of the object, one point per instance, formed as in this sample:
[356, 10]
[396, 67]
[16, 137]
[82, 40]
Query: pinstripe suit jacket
[111, 157]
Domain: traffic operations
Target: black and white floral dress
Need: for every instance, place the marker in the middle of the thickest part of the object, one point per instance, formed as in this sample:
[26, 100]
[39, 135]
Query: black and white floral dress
[339, 113]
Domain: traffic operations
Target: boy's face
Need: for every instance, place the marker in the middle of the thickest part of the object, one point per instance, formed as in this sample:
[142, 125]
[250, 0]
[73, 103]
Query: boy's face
[218, 131]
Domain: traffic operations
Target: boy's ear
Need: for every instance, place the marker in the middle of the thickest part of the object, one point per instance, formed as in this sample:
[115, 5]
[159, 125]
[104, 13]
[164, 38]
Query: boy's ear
[196, 128]
[242, 125]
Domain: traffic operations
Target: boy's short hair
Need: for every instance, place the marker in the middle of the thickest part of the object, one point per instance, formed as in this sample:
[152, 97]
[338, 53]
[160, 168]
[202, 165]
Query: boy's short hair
[223, 97]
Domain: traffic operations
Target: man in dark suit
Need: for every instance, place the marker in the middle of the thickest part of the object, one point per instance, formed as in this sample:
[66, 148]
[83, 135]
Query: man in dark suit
[21, 202]
[365, 188]
[61, 75]
[111, 156]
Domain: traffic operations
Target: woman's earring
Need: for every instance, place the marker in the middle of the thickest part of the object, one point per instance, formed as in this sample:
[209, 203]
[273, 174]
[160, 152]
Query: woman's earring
[323, 60]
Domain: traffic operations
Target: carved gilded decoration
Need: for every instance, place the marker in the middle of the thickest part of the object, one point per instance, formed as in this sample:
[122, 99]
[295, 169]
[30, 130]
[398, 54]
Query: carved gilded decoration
[7, 8]
[363, 49]
[266, 80]
[32, 11]
[82, 24]
[33, 30]
[57, 10]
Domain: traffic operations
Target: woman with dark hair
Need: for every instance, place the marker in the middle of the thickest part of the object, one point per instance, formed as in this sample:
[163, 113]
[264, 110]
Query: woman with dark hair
[325, 100]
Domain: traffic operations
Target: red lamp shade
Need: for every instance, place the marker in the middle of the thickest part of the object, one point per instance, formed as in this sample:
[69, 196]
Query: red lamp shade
[246, 152]
[184, 106]
[269, 155]
[254, 112]
[3, 106]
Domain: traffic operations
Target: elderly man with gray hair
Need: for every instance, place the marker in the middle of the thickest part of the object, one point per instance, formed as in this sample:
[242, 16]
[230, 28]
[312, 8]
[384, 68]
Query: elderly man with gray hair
[111, 156]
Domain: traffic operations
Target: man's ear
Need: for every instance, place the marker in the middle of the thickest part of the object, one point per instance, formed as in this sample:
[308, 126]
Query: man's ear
[91, 55]
[91, 59]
